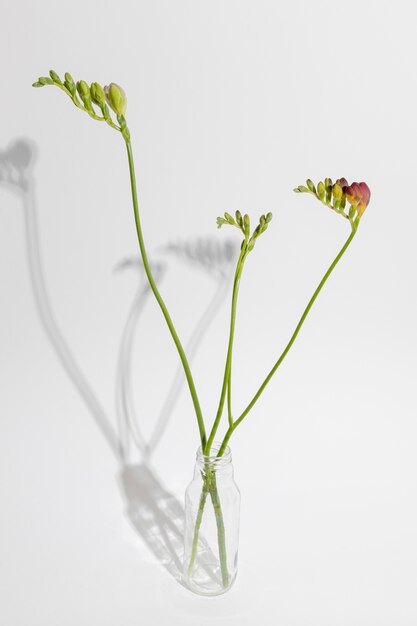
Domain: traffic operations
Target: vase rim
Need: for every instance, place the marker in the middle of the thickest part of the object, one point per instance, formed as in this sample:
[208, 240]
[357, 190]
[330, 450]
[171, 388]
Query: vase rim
[212, 458]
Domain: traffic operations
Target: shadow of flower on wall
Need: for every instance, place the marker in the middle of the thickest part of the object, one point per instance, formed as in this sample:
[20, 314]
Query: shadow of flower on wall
[154, 512]
[207, 255]
[16, 173]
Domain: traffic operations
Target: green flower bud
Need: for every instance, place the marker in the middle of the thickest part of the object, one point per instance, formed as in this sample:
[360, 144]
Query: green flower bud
[37, 84]
[70, 87]
[69, 84]
[310, 185]
[69, 78]
[329, 187]
[83, 89]
[45, 81]
[246, 225]
[97, 94]
[321, 190]
[116, 98]
[239, 218]
[55, 77]
[268, 217]
[229, 218]
[337, 192]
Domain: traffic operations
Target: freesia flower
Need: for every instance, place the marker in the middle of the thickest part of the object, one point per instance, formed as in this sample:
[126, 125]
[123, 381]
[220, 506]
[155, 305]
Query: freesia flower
[335, 196]
[358, 196]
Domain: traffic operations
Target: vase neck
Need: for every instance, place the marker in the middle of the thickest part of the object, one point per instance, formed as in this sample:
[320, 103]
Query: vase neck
[213, 461]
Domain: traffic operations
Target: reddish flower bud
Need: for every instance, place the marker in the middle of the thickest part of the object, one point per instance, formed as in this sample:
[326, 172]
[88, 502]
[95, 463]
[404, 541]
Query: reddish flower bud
[342, 182]
[358, 195]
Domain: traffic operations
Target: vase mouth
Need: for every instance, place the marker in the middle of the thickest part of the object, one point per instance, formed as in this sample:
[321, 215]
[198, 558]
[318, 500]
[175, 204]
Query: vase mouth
[212, 458]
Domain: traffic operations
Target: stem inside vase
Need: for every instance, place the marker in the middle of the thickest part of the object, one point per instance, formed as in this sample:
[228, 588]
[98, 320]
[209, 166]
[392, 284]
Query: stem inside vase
[211, 525]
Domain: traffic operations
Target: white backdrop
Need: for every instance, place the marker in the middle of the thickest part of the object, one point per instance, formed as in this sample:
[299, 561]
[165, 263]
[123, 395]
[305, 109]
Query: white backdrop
[231, 104]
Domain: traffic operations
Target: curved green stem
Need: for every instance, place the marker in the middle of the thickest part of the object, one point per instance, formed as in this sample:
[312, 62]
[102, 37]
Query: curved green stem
[160, 300]
[229, 396]
[225, 441]
[238, 273]
[289, 344]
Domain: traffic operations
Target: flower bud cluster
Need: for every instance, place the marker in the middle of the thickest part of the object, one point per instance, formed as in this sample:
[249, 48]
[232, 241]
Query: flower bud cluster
[242, 222]
[87, 97]
[337, 195]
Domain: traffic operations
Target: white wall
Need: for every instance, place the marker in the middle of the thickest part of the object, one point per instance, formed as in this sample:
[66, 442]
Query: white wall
[230, 104]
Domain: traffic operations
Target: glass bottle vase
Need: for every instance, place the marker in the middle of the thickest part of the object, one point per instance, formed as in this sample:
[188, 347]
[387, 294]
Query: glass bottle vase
[212, 506]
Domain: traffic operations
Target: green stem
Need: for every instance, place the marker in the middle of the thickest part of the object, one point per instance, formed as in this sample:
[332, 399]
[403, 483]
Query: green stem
[238, 273]
[229, 396]
[221, 535]
[210, 486]
[289, 344]
[197, 526]
[160, 300]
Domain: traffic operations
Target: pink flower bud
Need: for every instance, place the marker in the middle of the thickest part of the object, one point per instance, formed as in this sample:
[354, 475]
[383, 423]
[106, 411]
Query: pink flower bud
[342, 182]
[358, 195]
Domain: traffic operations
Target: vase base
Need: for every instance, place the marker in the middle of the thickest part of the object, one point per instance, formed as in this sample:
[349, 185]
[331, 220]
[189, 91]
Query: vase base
[206, 588]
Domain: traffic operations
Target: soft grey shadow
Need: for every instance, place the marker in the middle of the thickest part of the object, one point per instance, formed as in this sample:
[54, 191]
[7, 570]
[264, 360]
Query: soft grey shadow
[127, 421]
[158, 517]
[153, 510]
[208, 255]
[155, 513]
[17, 163]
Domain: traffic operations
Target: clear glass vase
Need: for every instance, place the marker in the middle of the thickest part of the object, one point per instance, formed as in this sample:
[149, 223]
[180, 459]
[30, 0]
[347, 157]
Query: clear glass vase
[212, 506]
